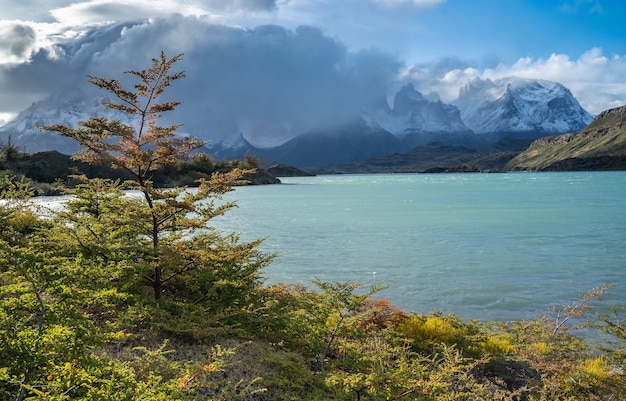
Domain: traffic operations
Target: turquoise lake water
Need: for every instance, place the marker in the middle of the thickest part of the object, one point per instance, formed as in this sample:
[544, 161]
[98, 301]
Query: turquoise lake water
[488, 246]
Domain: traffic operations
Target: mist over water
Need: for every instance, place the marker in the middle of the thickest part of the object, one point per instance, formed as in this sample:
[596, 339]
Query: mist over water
[488, 246]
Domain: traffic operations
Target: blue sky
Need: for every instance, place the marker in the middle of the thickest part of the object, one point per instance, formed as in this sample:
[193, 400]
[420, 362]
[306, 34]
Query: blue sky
[438, 45]
[481, 31]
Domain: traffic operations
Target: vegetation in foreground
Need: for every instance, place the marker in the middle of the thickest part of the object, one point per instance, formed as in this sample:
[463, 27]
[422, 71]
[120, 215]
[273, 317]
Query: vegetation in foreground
[138, 298]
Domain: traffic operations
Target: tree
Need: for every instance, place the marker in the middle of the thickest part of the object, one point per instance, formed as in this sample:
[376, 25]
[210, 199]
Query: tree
[75, 284]
[173, 220]
[9, 152]
[47, 300]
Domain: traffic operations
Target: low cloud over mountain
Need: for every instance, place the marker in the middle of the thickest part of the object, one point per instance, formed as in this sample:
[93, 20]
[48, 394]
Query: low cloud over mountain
[269, 82]
[271, 85]
[518, 108]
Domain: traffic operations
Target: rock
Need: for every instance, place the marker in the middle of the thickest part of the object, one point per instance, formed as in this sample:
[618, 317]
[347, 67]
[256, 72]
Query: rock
[284, 170]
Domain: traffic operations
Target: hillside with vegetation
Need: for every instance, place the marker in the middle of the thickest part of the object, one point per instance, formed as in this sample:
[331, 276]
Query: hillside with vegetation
[438, 157]
[118, 297]
[599, 146]
[48, 172]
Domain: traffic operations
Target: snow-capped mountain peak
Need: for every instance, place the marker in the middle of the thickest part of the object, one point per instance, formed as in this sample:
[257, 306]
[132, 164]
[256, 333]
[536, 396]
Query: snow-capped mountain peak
[530, 107]
[66, 109]
[493, 109]
[413, 113]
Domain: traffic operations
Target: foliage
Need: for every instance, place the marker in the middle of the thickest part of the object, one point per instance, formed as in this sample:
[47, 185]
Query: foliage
[170, 215]
[614, 324]
[9, 152]
[80, 278]
[125, 295]
[599, 146]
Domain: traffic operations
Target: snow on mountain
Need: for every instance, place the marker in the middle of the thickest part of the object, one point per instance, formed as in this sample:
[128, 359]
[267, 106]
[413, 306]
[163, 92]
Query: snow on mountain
[231, 147]
[68, 109]
[412, 113]
[518, 105]
[492, 109]
[72, 107]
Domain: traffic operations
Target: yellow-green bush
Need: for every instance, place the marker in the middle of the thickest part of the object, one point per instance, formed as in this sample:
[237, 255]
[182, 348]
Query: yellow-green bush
[499, 344]
[427, 334]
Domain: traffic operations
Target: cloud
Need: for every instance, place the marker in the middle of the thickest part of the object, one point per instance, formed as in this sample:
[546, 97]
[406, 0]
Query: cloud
[30, 27]
[30, 10]
[77, 12]
[17, 41]
[119, 10]
[52, 66]
[5, 118]
[269, 82]
[116, 10]
[582, 7]
[596, 80]
[251, 5]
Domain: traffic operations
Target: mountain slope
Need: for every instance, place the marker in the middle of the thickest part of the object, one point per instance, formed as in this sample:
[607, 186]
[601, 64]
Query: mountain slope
[599, 146]
[517, 107]
[512, 107]
[67, 109]
[413, 121]
[437, 157]
[350, 142]
[413, 113]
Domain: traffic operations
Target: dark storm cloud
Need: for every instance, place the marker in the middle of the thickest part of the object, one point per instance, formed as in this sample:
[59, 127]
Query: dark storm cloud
[16, 40]
[269, 83]
[46, 74]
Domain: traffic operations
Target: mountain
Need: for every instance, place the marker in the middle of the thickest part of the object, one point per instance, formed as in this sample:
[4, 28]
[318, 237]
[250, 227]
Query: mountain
[68, 109]
[233, 148]
[354, 140]
[437, 157]
[43, 169]
[518, 107]
[413, 121]
[599, 146]
[417, 120]
[484, 112]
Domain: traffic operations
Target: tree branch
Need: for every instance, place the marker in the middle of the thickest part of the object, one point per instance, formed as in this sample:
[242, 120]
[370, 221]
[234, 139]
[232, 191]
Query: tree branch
[26, 379]
[178, 272]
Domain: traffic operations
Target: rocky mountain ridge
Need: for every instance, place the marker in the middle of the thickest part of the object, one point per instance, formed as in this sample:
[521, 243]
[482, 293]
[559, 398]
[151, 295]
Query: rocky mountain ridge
[68, 109]
[599, 146]
[520, 107]
[485, 112]
[437, 157]
[413, 113]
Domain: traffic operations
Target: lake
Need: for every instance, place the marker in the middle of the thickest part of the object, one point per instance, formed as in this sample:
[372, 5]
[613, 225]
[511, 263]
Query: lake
[488, 246]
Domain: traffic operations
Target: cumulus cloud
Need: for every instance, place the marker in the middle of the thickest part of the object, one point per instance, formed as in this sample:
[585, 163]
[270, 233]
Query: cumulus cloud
[596, 80]
[17, 41]
[269, 83]
[53, 66]
[119, 10]
[116, 10]
[30, 10]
